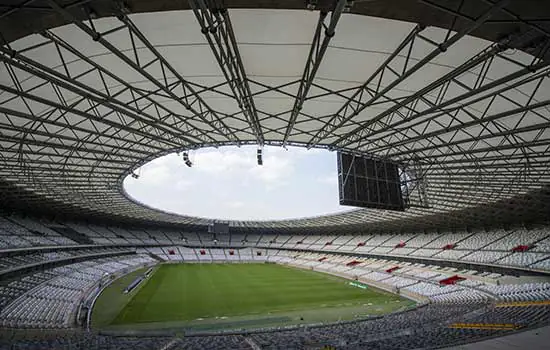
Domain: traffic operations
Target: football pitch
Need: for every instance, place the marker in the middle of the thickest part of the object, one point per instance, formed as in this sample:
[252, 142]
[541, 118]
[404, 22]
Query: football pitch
[237, 295]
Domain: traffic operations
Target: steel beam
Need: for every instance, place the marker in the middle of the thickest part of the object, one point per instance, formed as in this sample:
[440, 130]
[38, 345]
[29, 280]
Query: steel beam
[216, 26]
[503, 84]
[351, 107]
[191, 132]
[94, 102]
[358, 133]
[406, 72]
[481, 121]
[189, 98]
[321, 39]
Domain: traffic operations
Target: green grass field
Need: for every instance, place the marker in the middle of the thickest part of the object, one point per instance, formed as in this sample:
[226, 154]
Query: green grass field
[192, 293]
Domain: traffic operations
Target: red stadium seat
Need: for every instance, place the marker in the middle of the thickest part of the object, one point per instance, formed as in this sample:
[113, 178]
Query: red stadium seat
[451, 280]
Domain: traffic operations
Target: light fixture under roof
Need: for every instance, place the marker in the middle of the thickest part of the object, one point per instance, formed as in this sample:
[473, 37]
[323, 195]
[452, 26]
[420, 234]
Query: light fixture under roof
[187, 160]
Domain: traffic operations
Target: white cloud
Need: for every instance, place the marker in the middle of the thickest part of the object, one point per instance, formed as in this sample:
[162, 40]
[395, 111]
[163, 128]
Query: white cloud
[228, 183]
[302, 151]
[183, 184]
[154, 175]
[274, 170]
[330, 179]
[235, 204]
[242, 164]
[216, 161]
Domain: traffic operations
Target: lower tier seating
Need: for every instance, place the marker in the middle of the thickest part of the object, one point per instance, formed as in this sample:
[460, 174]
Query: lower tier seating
[50, 301]
[430, 326]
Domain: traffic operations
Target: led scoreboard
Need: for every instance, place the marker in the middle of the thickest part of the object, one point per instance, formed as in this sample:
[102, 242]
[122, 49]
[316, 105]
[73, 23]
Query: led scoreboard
[368, 182]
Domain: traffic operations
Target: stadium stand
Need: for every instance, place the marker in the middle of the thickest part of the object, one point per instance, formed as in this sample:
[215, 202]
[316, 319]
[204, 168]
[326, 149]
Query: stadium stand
[473, 308]
[483, 304]
[452, 94]
[53, 299]
[481, 247]
[425, 327]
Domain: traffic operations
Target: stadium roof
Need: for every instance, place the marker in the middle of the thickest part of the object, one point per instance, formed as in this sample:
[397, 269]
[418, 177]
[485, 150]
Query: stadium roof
[92, 90]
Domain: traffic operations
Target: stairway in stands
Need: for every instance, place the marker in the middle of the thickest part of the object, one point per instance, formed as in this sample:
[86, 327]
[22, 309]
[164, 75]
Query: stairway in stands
[72, 234]
[155, 256]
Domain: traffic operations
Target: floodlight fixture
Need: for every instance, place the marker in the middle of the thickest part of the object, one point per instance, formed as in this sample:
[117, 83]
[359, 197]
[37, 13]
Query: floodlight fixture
[186, 159]
[259, 157]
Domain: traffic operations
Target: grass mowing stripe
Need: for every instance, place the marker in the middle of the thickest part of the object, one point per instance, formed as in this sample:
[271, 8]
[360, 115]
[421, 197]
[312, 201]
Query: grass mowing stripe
[186, 292]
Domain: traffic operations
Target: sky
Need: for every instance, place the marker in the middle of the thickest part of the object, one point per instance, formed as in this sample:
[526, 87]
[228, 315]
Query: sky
[227, 183]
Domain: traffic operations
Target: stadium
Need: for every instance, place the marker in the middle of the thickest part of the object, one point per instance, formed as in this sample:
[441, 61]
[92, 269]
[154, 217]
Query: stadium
[438, 113]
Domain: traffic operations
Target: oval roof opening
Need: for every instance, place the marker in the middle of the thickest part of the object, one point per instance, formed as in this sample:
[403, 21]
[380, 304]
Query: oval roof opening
[227, 183]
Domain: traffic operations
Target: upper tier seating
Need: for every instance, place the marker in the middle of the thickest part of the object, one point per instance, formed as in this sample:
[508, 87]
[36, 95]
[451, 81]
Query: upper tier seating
[523, 259]
[481, 239]
[485, 256]
[24, 232]
[422, 240]
[520, 292]
[491, 247]
[445, 239]
[520, 237]
[26, 258]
